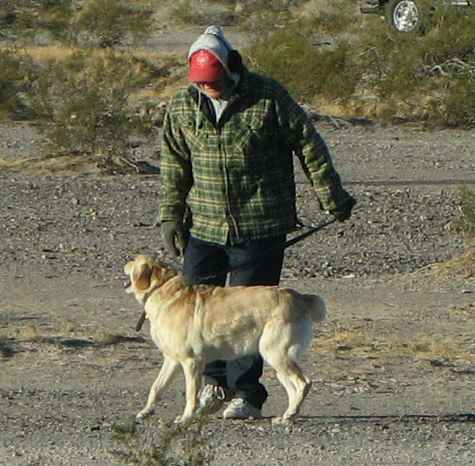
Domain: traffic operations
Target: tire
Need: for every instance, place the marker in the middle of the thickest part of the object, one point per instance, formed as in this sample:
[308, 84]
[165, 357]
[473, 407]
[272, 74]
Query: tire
[405, 15]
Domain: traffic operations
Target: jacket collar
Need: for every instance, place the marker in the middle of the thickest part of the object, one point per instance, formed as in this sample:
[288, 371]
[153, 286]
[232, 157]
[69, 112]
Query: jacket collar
[204, 103]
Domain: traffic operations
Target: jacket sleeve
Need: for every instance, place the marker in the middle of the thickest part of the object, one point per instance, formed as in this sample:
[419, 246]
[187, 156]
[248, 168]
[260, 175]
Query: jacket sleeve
[175, 170]
[312, 152]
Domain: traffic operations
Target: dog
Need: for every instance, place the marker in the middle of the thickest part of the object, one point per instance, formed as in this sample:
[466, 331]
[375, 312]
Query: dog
[195, 325]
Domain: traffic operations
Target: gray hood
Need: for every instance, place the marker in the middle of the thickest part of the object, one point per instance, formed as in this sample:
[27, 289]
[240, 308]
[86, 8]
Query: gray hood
[214, 41]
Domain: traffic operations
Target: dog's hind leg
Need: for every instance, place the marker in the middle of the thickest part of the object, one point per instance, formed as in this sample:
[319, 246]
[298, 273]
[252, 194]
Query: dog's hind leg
[165, 376]
[280, 346]
[193, 370]
[294, 381]
[291, 372]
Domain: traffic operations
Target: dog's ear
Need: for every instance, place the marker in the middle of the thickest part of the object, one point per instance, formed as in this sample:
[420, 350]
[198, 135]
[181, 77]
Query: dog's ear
[141, 276]
[163, 274]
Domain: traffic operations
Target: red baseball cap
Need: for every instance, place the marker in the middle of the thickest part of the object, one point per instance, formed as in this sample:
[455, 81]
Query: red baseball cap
[204, 66]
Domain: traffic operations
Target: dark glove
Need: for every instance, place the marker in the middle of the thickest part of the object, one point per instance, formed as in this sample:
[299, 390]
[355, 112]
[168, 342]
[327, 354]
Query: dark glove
[173, 237]
[343, 212]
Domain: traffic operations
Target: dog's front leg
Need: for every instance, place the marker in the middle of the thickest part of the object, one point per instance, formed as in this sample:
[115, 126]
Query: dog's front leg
[164, 378]
[193, 371]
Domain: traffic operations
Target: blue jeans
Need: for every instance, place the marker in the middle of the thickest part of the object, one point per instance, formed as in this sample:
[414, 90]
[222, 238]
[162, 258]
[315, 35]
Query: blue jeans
[207, 263]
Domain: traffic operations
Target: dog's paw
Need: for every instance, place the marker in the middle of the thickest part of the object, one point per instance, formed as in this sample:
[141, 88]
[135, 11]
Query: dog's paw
[183, 420]
[143, 414]
[281, 421]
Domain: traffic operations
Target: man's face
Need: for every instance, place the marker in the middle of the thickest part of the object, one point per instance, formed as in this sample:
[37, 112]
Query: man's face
[213, 89]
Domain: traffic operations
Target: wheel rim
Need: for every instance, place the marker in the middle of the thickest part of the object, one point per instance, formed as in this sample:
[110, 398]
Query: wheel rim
[406, 16]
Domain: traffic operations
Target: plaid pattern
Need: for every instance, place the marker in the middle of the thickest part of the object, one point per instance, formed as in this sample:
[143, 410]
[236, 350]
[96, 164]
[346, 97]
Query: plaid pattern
[237, 177]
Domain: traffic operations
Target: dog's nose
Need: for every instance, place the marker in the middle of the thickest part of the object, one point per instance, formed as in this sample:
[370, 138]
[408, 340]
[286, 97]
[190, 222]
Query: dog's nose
[127, 283]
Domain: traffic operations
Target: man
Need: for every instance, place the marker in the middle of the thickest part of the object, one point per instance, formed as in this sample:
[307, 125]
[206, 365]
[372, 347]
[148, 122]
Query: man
[227, 165]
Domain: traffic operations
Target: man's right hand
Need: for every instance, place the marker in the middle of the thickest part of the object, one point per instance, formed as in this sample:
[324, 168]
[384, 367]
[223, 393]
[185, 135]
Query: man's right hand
[173, 237]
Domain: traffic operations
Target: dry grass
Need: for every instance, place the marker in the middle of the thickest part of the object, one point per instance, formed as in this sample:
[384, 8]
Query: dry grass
[103, 337]
[64, 331]
[462, 265]
[318, 7]
[173, 66]
[50, 53]
[60, 53]
[31, 332]
[61, 165]
[464, 311]
[364, 104]
[358, 343]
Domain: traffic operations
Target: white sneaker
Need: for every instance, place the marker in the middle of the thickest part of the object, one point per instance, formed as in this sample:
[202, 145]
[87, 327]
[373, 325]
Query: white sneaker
[241, 409]
[212, 398]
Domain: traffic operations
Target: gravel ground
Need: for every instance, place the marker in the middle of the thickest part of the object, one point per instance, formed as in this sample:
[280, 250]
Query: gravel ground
[392, 368]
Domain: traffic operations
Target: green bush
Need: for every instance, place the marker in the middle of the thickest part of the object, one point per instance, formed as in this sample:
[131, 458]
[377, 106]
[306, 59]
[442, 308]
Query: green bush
[305, 70]
[103, 23]
[302, 53]
[451, 35]
[190, 12]
[429, 76]
[260, 18]
[42, 16]
[185, 13]
[108, 23]
[15, 79]
[457, 106]
[168, 446]
[82, 104]
[333, 57]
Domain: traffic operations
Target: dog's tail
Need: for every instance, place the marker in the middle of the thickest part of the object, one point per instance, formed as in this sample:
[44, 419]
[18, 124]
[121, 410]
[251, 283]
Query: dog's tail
[315, 307]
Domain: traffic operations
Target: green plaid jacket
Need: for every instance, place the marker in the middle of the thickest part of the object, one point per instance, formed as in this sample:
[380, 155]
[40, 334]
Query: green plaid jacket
[237, 176]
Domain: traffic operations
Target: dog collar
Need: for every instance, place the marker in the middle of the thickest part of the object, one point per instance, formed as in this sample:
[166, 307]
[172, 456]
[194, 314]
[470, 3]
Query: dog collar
[147, 295]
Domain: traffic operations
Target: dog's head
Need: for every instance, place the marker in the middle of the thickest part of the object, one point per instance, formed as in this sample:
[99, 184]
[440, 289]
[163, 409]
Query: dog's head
[145, 273]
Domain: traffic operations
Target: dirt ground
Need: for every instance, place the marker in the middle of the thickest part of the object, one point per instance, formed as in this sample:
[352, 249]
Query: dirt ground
[393, 367]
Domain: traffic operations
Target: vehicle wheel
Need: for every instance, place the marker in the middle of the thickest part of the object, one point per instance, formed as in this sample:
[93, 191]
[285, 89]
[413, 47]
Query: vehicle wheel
[405, 15]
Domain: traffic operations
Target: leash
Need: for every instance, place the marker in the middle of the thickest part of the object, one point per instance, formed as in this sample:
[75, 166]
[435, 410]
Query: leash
[312, 230]
[288, 243]
[140, 322]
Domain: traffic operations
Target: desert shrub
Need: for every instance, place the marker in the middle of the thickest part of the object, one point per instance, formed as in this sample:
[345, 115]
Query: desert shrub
[15, 79]
[302, 52]
[457, 105]
[7, 19]
[336, 17]
[197, 13]
[184, 12]
[327, 55]
[451, 34]
[82, 104]
[52, 17]
[108, 23]
[390, 68]
[450, 37]
[103, 23]
[288, 56]
[424, 76]
[169, 446]
[261, 17]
